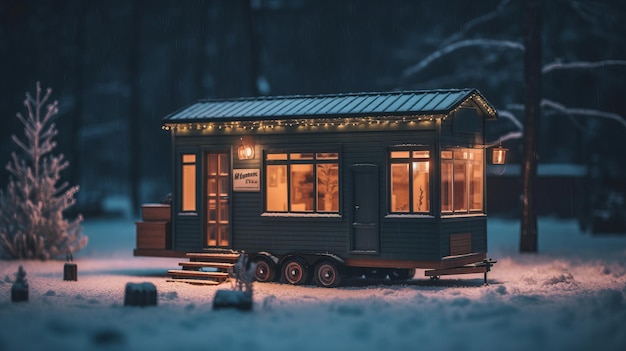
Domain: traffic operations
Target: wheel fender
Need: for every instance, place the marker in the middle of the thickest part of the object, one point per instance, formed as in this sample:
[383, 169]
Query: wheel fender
[266, 255]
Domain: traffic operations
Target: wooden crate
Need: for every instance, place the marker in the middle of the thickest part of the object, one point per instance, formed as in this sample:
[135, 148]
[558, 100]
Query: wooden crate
[155, 212]
[154, 235]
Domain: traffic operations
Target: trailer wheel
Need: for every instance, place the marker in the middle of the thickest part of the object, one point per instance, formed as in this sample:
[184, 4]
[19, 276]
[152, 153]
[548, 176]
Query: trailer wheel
[294, 271]
[327, 275]
[264, 270]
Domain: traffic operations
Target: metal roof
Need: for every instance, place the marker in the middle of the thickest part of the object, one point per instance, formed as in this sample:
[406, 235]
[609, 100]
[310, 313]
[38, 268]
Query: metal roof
[426, 102]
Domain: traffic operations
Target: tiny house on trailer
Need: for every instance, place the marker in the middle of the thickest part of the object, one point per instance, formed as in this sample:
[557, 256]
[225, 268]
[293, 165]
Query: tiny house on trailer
[327, 186]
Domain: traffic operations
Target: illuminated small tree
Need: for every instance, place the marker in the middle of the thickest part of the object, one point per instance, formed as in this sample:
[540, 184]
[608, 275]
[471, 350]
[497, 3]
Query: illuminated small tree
[31, 211]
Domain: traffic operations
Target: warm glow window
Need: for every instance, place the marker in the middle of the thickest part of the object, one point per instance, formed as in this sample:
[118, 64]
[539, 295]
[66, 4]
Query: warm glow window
[410, 181]
[302, 182]
[462, 181]
[188, 184]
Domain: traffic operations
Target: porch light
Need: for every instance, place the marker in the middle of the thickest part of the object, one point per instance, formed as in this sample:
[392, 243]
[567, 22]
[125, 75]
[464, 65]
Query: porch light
[245, 151]
[498, 155]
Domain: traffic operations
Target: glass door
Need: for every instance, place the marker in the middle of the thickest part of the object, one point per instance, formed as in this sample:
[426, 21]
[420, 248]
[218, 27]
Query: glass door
[217, 199]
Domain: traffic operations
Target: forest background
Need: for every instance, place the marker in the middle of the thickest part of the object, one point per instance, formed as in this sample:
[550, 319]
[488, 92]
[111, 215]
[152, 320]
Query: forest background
[117, 67]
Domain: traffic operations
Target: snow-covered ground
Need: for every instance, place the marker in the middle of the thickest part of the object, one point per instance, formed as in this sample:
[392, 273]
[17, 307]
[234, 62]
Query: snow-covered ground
[570, 296]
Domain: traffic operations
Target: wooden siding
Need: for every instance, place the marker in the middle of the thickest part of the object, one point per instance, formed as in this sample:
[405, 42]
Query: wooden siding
[476, 226]
[400, 238]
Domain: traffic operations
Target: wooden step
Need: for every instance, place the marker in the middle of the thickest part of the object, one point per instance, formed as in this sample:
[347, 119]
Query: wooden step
[213, 257]
[194, 281]
[196, 264]
[177, 273]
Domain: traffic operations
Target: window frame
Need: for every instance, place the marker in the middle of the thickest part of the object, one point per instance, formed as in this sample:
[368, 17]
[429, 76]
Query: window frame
[308, 156]
[194, 183]
[468, 165]
[410, 161]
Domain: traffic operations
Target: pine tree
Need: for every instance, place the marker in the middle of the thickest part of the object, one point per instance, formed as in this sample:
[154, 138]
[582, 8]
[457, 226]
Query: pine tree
[31, 211]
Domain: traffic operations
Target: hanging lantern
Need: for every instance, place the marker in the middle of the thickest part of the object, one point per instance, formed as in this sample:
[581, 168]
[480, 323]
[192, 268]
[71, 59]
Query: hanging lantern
[245, 151]
[498, 155]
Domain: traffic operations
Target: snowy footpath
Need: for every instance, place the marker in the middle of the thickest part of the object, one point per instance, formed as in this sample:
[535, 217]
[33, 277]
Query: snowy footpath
[570, 296]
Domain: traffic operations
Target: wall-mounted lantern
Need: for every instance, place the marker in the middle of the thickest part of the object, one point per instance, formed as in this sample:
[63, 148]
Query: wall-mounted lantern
[498, 155]
[246, 150]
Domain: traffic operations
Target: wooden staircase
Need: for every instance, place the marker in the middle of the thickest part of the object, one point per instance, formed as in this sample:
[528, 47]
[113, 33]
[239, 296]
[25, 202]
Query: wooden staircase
[206, 268]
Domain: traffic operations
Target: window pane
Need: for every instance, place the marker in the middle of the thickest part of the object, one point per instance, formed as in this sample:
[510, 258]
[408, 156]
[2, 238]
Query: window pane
[400, 154]
[446, 155]
[446, 187]
[276, 188]
[328, 187]
[188, 193]
[460, 185]
[327, 156]
[476, 186]
[301, 156]
[421, 199]
[276, 157]
[224, 161]
[400, 187]
[301, 188]
[189, 158]
[421, 154]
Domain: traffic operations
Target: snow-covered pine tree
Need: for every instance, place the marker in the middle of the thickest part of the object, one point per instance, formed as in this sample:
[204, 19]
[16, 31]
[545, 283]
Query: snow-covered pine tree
[31, 211]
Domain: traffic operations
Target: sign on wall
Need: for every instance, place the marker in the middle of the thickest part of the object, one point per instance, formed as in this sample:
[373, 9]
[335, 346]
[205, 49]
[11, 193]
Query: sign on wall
[246, 179]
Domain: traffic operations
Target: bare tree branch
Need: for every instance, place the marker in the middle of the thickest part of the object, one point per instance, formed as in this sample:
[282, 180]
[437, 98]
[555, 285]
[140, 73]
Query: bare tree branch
[475, 22]
[481, 43]
[580, 65]
[582, 111]
[508, 136]
[510, 116]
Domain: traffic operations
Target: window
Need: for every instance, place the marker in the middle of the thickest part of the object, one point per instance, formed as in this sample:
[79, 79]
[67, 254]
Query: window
[188, 177]
[302, 182]
[410, 181]
[462, 181]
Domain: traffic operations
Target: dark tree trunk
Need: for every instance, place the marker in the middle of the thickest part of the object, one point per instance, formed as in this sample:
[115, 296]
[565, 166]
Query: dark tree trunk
[254, 48]
[134, 120]
[532, 100]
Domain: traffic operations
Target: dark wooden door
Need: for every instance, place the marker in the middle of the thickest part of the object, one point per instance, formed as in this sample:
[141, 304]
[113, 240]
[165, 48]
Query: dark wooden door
[217, 199]
[365, 208]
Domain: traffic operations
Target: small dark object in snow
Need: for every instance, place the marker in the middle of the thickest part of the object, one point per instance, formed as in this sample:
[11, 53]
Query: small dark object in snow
[232, 299]
[140, 294]
[241, 295]
[70, 269]
[19, 290]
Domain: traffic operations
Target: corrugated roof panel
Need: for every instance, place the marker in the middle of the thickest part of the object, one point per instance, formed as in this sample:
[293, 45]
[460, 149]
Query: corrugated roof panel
[394, 107]
[267, 105]
[330, 105]
[434, 102]
[408, 105]
[243, 109]
[343, 102]
[448, 101]
[384, 105]
[302, 106]
[349, 108]
[375, 104]
[288, 104]
[223, 111]
[410, 102]
[319, 104]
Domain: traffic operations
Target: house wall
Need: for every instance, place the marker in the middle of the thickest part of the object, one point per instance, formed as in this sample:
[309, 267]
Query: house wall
[420, 238]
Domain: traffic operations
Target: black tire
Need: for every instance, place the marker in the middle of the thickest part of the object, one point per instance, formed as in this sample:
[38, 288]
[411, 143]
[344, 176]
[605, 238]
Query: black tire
[401, 274]
[327, 274]
[264, 270]
[295, 271]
